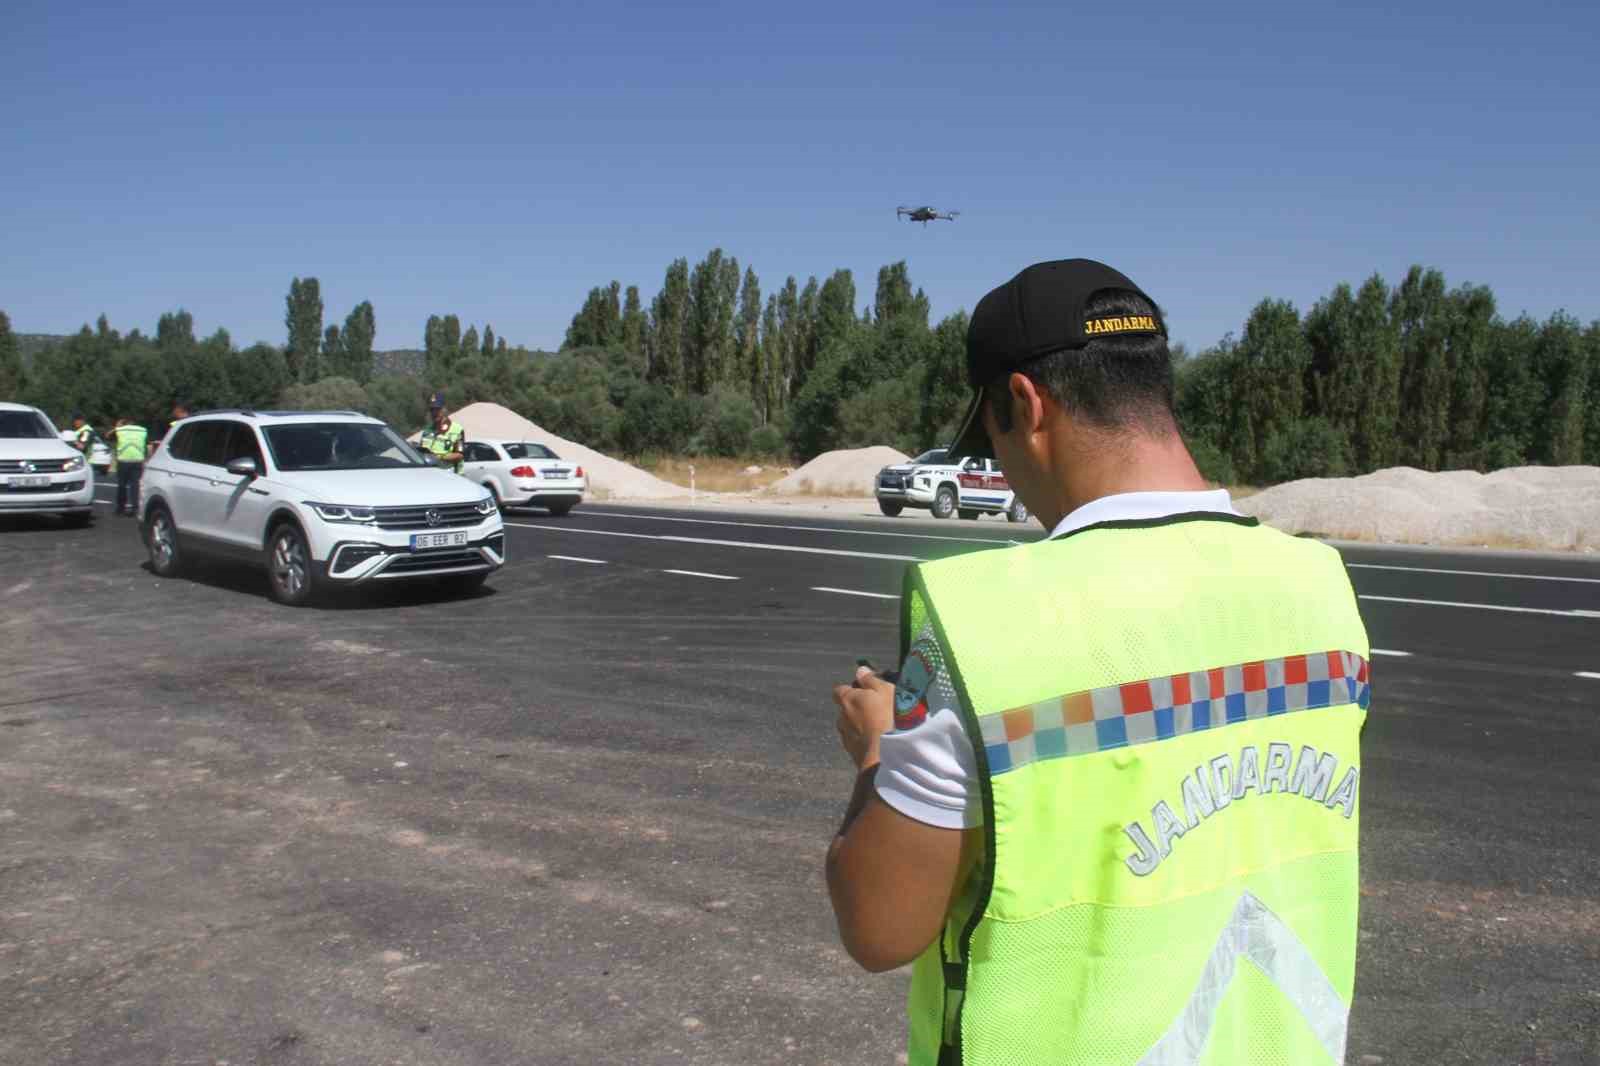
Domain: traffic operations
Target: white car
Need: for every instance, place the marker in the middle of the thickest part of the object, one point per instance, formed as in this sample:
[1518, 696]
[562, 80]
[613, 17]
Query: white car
[320, 499]
[39, 474]
[522, 473]
[935, 483]
[99, 450]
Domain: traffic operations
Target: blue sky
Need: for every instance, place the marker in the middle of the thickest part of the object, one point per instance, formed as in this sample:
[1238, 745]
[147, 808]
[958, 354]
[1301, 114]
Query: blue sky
[496, 161]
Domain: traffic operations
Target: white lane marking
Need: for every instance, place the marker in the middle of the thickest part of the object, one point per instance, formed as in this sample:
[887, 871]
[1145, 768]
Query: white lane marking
[579, 559]
[1387, 651]
[1485, 606]
[807, 529]
[698, 573]
[721, 543]
[854, 592]
[1588, 674]
[1473, 573]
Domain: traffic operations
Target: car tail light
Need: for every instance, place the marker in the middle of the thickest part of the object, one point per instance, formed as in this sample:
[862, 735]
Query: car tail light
[578, 472]
[524, 471]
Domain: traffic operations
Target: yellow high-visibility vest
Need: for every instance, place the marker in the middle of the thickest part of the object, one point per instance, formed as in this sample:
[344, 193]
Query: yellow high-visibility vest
[1166, 717]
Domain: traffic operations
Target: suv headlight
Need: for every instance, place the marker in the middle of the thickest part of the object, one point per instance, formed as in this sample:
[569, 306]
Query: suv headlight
[75, 463]
[486, 506]
[338, 512]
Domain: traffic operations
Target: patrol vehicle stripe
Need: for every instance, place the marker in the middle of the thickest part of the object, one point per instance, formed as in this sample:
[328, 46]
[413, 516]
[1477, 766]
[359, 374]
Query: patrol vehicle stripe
[1117, 716]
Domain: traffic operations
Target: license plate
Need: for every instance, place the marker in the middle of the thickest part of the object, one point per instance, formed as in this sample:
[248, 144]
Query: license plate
[421, 541]
[27, 482]
[557, 474]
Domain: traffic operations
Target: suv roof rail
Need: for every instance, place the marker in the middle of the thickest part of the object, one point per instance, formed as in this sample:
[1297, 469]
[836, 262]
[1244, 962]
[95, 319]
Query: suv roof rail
[246, 411]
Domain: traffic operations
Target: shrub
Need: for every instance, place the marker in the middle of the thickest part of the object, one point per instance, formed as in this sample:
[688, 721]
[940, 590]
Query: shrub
[1311, 447]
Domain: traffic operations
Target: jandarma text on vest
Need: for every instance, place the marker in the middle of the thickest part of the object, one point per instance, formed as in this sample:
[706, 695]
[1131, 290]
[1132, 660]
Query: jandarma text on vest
[1215, 785]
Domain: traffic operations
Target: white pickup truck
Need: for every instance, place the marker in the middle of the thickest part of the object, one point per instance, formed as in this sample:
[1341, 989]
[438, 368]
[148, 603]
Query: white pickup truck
[933, 483]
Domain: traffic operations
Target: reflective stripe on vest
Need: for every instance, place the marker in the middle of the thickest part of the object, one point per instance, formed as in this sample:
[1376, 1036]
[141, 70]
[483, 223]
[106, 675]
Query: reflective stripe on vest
[131, 441]
[1166, 721]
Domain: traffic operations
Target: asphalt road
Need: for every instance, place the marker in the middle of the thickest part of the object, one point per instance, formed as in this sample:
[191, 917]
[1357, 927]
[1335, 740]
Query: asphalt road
[580, 816]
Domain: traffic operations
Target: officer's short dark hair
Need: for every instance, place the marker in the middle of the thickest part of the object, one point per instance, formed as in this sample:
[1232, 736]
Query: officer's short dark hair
[1119, 381]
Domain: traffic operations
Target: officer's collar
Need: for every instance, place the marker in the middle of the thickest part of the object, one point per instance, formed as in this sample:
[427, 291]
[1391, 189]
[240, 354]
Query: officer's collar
[1143, 506]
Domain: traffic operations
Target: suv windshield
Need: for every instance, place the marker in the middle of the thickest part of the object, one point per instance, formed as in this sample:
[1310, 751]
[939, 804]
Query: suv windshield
[338, 446]
[529, 450]
[932, 455]
[25, 425]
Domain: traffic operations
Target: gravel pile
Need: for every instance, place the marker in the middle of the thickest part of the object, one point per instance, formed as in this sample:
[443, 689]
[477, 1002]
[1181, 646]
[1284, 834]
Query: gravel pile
[1541, 507]
[609, 479]
[849, 472]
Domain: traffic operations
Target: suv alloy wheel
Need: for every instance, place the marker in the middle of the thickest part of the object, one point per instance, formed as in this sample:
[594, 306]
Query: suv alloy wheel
[944, 502]
[290, 573]
[161, 538]
[1017, 512]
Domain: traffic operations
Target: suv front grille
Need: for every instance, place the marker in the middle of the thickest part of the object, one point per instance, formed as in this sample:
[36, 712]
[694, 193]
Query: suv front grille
[449, 514]
[40, 466]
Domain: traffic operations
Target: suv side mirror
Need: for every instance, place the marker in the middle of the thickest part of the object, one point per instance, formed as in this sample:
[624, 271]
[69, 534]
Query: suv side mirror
[244, 466]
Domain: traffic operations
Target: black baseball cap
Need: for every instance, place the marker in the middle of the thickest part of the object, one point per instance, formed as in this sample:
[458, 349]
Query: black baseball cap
[1038, 313]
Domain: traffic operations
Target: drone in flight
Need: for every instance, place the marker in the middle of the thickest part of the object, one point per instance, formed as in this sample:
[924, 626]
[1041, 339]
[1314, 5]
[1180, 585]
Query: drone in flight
[923, 214]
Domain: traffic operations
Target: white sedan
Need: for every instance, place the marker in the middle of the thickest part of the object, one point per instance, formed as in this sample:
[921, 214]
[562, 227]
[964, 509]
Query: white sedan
[99, 450]
[522, 473]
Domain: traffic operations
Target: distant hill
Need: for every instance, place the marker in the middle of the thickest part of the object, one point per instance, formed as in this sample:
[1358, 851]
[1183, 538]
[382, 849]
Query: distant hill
[397, 361]
[31, 344]
[390, 363]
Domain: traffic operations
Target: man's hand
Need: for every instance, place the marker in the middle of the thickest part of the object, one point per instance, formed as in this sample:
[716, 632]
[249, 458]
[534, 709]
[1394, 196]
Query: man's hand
[866, 712]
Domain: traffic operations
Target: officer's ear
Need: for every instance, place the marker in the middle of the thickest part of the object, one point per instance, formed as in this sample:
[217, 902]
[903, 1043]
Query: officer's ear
[1027, 403]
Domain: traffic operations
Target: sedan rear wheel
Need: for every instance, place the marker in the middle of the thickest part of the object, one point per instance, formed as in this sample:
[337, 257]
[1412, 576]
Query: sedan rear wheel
[290, 573]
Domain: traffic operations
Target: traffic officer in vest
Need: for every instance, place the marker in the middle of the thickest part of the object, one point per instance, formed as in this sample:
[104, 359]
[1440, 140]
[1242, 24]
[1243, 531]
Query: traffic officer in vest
[129, 441]
[1118, 764]
[443, 438]
[82, 434]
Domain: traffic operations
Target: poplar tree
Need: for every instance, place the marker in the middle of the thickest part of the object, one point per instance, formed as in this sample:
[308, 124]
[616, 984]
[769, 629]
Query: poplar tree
[303, 318]
[12, 378]
[751, 372]
[669, 314]
[1420, 313]
[635, 324]
[360, 333]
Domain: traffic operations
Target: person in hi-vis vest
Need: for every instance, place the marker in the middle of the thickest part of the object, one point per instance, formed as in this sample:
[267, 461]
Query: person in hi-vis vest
[1119, 764]
[129, 441]
[443, 438]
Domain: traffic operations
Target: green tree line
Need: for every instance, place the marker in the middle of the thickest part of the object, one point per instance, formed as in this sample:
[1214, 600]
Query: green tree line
[1419, 374]
[1372, 376]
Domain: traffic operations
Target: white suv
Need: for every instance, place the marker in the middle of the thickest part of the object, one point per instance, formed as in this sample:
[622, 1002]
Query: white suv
[321, 499]
[38, 473]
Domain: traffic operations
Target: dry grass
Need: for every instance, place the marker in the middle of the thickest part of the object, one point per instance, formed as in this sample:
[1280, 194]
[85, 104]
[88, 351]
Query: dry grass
[713, 475]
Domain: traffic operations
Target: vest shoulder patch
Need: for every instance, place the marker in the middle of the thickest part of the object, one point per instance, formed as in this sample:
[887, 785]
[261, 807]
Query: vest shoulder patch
[917, 675]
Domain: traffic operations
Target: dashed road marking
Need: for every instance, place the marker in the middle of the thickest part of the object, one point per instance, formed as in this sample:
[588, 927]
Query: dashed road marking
[1484, 606]
[855, 592]
[805, 529]
[1592, 676]
[1390, 651]
[1473, 573]
[803, 549]
[698, 573]
[579, 559]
